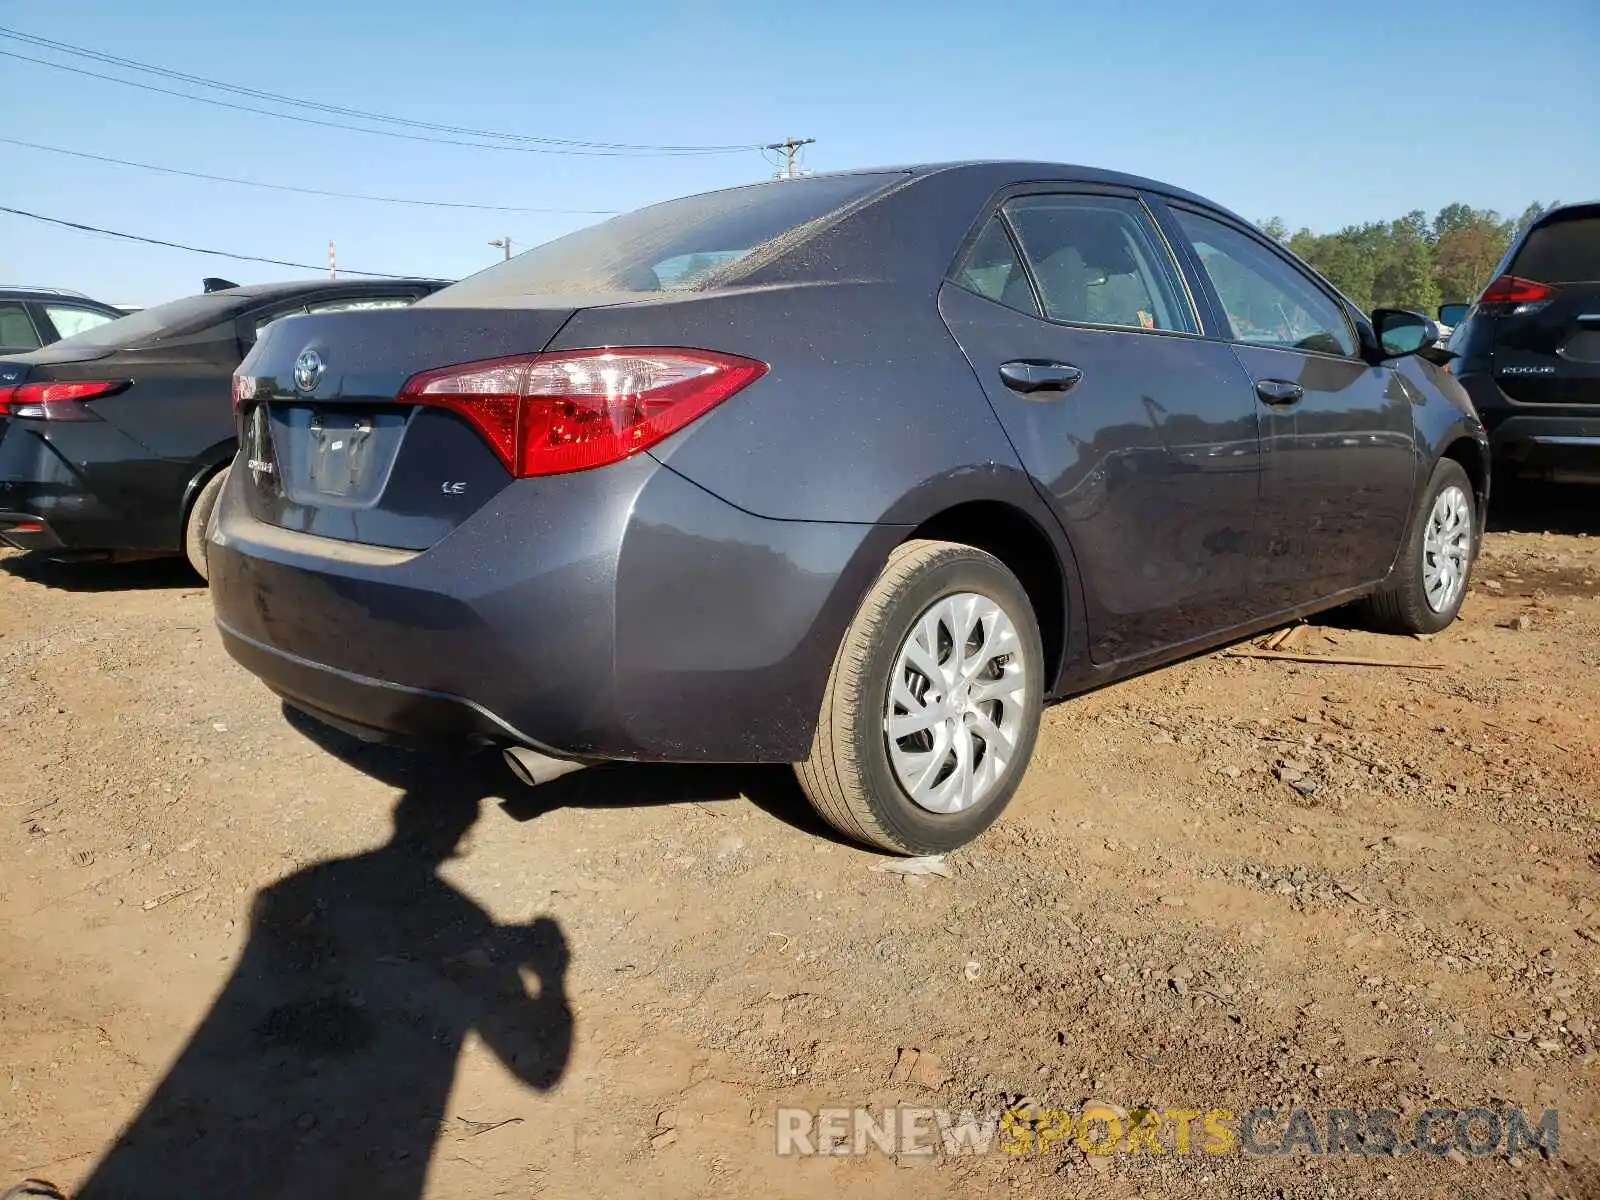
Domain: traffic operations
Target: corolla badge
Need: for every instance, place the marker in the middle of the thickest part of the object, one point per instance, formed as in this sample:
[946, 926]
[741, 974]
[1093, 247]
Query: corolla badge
[258, 458]
[308, 370]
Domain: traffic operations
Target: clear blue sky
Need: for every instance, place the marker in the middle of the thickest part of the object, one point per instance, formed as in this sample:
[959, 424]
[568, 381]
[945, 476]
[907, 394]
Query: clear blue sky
[1323, 113]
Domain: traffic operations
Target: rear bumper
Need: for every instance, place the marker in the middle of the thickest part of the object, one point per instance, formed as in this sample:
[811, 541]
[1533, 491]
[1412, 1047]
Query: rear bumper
[365, 706]
[24, 531]
[622, 613]
[1536, 436]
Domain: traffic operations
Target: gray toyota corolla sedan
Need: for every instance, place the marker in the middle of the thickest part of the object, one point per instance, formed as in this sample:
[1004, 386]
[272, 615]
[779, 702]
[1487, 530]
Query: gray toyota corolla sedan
[856, 472]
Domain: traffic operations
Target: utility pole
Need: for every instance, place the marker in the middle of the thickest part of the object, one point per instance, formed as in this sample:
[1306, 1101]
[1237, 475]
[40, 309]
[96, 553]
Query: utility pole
[503, 244]
[790, 147]
[333, 263]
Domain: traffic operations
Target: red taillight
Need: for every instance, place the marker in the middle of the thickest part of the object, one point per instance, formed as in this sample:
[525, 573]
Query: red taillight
[57, 401]
[1513, 294]
[244, 388]
[544, 414]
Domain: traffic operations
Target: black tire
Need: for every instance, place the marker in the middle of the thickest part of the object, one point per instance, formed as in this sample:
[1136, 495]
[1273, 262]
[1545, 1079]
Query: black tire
[198, 522]
[848, 776]
[1401, 604]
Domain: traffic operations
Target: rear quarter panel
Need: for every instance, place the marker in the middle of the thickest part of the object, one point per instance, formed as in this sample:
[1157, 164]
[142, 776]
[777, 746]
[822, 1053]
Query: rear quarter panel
[869, 422]
[869, 413]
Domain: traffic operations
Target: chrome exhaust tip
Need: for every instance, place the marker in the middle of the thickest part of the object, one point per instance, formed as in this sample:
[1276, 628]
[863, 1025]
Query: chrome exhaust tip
[533, 768]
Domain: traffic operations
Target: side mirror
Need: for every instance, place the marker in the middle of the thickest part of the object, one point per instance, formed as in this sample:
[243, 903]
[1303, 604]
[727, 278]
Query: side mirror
[1401, 331]
[1452, 314]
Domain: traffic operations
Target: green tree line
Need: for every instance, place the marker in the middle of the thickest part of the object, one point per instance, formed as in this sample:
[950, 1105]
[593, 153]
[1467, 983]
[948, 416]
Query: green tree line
[1410, 262]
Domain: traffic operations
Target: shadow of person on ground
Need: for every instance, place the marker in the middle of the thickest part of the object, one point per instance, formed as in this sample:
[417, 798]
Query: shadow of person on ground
[324, 1065]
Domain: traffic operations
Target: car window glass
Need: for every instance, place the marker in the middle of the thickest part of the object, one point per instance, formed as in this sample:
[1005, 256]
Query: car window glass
[1099, 261]
[993, 270]
[683, 272]
[71, 320]
[1561, 252]
[16, 329]
[1267, 301]
[262, 322]
[357, 303]
[699, 242]
[164, 322]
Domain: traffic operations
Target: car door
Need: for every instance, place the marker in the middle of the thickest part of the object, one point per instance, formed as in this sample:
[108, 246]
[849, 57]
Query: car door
[1338, 451]
[1139, 431]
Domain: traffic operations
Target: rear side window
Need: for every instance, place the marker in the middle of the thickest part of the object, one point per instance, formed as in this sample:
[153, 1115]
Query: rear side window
[1561, 252]
[16, 328]
[1099, 261]
[993, 270]
[679, 246]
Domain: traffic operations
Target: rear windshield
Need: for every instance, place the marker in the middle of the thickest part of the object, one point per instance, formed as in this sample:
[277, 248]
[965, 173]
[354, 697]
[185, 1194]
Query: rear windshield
[1565, 251]
[678, 246]
[151, 325]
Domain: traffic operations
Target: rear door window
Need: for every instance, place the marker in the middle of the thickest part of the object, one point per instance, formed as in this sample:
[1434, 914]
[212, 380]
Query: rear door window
[1564, 251]
[16, 328]
[71, 319]
[1267, 300]
[1098, 260]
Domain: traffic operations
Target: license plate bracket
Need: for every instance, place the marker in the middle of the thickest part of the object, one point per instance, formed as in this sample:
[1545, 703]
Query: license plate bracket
[341, 453]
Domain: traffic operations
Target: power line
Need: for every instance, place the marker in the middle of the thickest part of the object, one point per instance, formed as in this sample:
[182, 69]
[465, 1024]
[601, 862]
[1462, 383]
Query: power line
[286, 187]
[566, 145]
[134, 237]
[267, 112]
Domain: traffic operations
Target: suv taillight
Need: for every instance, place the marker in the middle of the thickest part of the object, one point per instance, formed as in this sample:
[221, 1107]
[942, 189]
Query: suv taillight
[57, 401]
[1511, 295]
[570, 410]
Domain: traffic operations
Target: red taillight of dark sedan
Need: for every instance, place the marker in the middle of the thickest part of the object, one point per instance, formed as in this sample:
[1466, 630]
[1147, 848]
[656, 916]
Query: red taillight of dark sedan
[57, 401]
[547, 414]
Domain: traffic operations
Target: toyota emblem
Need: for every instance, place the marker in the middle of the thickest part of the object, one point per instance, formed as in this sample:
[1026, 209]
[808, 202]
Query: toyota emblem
[308, 371]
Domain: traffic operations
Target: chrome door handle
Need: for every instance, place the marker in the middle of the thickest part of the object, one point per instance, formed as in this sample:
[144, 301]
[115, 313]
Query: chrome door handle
[1027, 375]
[1279, 391]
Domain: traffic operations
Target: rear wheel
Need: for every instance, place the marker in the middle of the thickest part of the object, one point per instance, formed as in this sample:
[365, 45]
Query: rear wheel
[1429, 581]
[933, 703]
[199, 522]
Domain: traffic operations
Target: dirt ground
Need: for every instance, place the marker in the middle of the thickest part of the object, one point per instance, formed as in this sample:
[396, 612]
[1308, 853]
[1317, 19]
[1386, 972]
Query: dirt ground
[1233, 883]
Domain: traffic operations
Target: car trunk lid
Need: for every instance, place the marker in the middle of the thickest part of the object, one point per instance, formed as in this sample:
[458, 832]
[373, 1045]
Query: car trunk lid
[328, 448]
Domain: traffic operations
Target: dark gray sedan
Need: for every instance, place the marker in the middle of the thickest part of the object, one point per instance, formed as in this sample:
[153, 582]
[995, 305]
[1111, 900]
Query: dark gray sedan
[856, 471]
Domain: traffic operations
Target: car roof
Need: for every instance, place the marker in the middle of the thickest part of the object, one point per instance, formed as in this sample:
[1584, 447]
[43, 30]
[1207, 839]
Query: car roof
[1586, 208]
[1002, 172]
[26, 292]
[1028, 169]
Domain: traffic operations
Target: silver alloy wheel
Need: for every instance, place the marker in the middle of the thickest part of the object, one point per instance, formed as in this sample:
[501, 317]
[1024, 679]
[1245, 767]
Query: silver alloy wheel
[955, 705]
[1446, 548]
